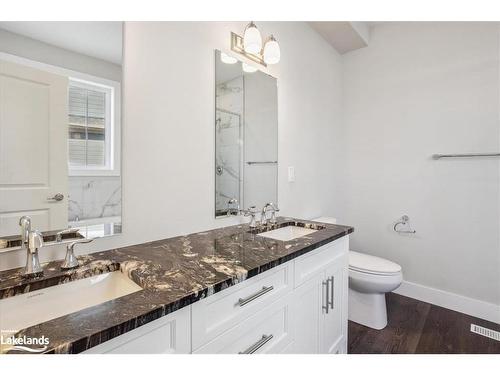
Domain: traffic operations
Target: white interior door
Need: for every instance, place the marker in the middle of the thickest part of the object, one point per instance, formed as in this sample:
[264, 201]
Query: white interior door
[33, 148]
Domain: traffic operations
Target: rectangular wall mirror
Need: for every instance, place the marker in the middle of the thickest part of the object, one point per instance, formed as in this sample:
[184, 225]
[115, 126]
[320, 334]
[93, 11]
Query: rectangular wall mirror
[60, 120]
[246, 136]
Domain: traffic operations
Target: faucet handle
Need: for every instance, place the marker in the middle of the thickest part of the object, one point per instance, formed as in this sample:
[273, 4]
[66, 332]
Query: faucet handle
[275, 209]
[251, 211]
[72, 245]
[35, 241]
[71, 261]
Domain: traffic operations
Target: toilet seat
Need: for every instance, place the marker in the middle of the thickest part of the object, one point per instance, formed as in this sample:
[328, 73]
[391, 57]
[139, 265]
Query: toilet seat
[373, 265]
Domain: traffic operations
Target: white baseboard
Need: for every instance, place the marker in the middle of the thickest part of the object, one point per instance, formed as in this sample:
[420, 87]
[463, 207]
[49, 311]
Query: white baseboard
[479, 309]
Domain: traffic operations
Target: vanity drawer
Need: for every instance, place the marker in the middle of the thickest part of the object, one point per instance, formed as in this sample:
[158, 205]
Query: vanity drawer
[214, 315]
[268, 331]
[307, 266]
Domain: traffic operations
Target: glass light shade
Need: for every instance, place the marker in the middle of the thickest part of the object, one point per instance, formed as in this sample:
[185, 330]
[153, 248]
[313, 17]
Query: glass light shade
[226, 59]
[247, 68]
[272, 51]
[252, 41]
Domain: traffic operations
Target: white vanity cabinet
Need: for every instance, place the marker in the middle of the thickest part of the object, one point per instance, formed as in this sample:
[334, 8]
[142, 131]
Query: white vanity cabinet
[320, 299]
[171, 334]
[297, 307]
[311, 317]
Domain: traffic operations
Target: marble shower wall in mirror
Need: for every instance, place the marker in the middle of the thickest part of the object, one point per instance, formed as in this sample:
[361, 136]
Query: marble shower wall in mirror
[246, 137]
[62, 98]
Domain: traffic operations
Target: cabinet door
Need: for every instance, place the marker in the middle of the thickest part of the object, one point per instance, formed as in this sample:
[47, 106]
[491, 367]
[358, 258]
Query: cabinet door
[335, 321]
[170, 334]
[308, 300]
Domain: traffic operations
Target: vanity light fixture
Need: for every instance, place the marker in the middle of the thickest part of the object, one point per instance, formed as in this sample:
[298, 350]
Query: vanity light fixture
[250, 46]
[226, 59]
[272, 51]
[252, 40]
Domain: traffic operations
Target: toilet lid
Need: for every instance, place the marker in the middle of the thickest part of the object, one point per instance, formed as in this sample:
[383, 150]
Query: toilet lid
[370, 264]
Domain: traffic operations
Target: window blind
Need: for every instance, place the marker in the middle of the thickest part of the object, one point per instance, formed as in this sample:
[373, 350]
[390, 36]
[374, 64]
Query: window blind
[87, 127]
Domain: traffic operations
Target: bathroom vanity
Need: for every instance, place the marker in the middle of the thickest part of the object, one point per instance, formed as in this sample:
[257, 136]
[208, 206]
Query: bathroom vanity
[231, 290]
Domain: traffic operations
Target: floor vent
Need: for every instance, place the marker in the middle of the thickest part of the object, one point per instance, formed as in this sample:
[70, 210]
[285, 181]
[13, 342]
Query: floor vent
[495, 335]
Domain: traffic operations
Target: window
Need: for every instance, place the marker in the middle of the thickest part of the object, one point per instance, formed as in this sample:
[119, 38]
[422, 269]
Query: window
[91, 129]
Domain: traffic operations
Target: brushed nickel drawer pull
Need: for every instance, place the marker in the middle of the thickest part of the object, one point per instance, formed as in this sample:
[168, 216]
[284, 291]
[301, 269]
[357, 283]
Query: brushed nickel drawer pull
[264, 290]
[332, 292]
[259, 344]
[327, 295]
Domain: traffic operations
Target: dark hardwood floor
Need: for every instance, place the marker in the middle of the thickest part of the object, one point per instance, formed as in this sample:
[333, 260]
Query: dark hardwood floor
[419, 327]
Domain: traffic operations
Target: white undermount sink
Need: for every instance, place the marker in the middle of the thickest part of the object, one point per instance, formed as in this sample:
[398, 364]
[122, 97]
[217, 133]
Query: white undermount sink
[287, 233]
[26, 310]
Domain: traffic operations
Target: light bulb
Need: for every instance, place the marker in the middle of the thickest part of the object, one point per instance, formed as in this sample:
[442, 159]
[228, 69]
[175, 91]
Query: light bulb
[272, 52]
[252, 41]
[247, 68]
[226, 59]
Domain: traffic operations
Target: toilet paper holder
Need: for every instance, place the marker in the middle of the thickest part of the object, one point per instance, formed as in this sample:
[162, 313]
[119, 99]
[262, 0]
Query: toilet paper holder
[404, 222]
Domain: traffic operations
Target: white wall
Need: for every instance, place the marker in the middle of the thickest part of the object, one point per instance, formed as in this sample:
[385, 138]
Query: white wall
[168, 128]
[416, 90]
[168, 151]
[35, 50]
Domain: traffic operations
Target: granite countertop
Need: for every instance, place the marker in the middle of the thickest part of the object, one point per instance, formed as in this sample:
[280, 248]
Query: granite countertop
[173, 273]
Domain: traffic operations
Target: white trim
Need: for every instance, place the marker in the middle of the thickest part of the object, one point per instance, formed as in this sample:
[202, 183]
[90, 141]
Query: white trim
[466, 305]
[110, 168]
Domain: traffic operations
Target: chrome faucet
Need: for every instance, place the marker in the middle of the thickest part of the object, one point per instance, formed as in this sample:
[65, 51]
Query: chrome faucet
[251, 211]
[263, 215]
[71, 261]
[35, 242]
[30, 242]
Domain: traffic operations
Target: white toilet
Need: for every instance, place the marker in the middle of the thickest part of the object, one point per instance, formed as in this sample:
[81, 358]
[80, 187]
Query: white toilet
[370, 278]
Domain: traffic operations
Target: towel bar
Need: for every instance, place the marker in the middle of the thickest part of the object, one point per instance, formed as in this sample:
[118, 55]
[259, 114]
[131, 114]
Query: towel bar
[440, 156]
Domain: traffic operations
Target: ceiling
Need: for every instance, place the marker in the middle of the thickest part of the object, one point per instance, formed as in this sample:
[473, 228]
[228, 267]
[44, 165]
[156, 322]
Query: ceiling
[102, 40]
[344, 36]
